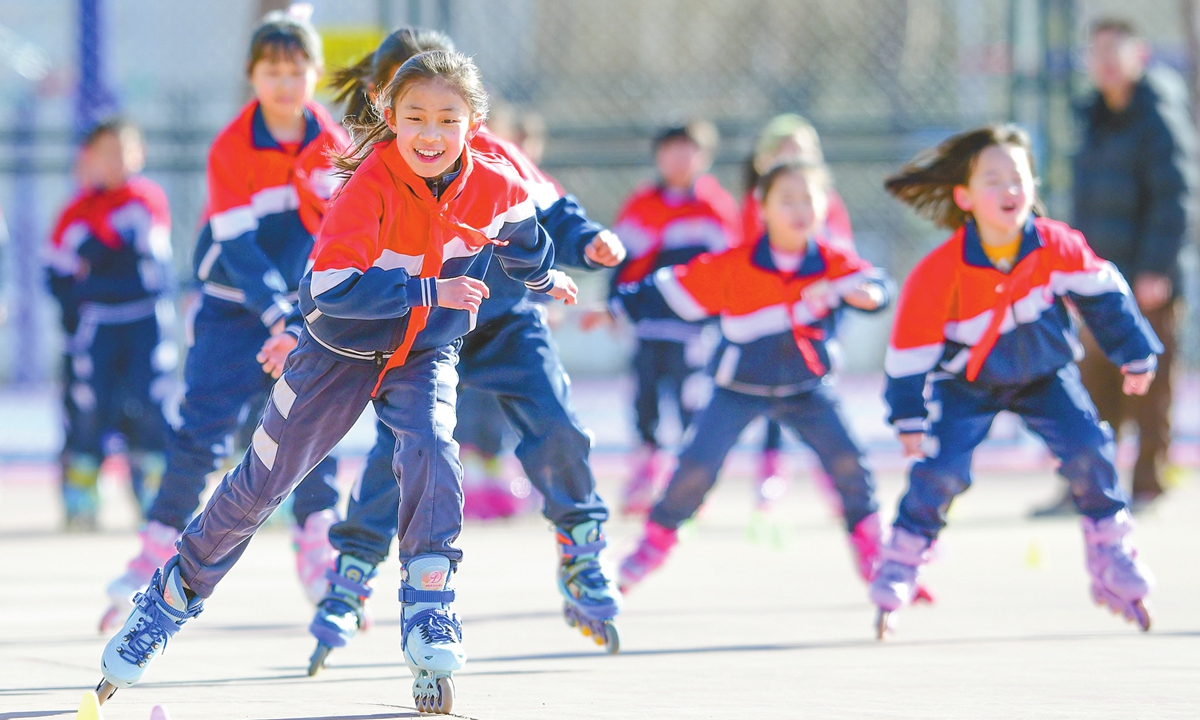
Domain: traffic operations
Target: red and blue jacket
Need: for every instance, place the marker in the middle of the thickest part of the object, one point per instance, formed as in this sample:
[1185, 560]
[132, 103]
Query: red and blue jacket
[774, 323]
[661, 227]
[266, 201]
[123, 239]
[387, 239]
[960, 316]
[563, 218]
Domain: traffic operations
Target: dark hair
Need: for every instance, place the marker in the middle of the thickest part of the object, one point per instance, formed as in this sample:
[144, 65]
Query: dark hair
[355, 83]
[701, 133]
[456, 69]
[283, 35]
[817, 172]
[1119, 26]
[927, 182]
[117, 126]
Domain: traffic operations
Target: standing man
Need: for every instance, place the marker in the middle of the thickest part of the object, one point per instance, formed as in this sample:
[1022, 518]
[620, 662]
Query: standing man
[1134, 175]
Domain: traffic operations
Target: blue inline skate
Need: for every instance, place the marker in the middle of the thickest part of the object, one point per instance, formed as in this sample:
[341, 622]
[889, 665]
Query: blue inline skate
[592, 600]
[340, 613]
[430, 635]
[157, 615]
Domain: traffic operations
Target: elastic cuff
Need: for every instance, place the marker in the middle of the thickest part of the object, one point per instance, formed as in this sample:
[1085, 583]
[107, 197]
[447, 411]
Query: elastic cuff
[278, 310]
[294, 330]
[542, 284]
[911, 425]
[422, 292]
[1140, 367]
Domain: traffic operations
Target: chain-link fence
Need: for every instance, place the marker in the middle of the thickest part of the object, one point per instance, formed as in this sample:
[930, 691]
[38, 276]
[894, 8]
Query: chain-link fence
[880, 79]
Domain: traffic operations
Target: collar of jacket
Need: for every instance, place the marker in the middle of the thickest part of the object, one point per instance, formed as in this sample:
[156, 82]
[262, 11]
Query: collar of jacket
[262, 138]
[1100, 114]
[973, 253]
[400, 170]
[812, 263]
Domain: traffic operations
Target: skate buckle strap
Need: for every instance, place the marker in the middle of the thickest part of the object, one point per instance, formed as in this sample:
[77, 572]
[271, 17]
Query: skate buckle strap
[360, 589]
[586, 549]
[409, 594]
[437, 626]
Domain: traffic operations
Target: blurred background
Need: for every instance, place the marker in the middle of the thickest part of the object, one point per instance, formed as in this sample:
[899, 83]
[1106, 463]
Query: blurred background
[879, 79]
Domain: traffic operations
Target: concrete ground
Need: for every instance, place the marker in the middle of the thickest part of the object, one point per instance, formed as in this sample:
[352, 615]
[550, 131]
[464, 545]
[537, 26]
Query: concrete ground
[747, 620]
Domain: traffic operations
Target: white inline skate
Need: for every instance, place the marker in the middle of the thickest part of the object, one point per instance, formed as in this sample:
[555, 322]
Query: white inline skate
[431, 635]
[895, 581]
[1119, 581]
[158, 546]
[591, 598]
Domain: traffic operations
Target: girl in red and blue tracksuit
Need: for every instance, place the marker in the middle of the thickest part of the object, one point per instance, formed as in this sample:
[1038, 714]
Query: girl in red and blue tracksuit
[266, 201]
[110, 268]
[984, 324]
[775, 300]
[395, 285]
[684, 214]
[511, 356]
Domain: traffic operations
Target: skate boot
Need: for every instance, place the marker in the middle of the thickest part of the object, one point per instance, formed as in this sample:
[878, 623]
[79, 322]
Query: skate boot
[772, 485]
[642, 489]
[342, 611]
[1119, 581]
[81, 492]
[430, 635]
[157, 615]
[314, 554]
[865, 543]
[591, 599]
[145, 475]
[651, 552]
[158, 546]
[895, 581]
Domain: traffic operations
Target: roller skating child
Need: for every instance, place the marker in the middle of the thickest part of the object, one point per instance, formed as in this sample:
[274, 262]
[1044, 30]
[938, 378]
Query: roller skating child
[775, 300]
[110, 268]
[684, 214]
[510, 358]
[395, 283]
[983, 325]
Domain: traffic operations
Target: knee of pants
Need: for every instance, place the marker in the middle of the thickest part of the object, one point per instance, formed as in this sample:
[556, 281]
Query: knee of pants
[942, 482]
[1089, 466]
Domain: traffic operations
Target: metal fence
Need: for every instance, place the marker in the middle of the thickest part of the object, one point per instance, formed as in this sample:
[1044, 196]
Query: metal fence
[880, 79]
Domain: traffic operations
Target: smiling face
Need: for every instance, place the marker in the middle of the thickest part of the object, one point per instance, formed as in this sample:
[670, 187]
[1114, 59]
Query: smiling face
[283, 83]
[999, 193]
[793, 209]
[432, 122]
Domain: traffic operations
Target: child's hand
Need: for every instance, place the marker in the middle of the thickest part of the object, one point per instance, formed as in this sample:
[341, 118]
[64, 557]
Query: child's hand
[912, 442]
[462, 293]
[596, 319]
[563, 288]
[866, 296]
[275, 351]
[1137, 384]
[605, 249]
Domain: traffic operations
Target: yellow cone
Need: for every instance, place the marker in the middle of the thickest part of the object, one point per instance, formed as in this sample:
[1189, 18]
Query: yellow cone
[89, 708]
[1033, 556]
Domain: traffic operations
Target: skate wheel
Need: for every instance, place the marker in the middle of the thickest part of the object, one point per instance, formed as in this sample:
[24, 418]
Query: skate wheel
[1142, 615]
[317, 661]
[587, 631]
[612, 640]
[105, 690]
[882, 624]
[445, 695]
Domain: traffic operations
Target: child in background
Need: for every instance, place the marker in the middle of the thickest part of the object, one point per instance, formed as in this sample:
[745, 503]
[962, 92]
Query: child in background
[395, 284]
[789, 137]
[775, 299]
[983, 325]
[684, 214]
[269, 180]
[511, 359]
[110, 268]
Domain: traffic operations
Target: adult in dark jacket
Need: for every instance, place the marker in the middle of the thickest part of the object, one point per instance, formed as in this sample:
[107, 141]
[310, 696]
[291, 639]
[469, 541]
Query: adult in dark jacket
[1134, 175]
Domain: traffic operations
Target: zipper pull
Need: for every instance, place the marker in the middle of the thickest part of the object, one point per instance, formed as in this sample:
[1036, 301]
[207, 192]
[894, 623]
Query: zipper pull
[378, 359]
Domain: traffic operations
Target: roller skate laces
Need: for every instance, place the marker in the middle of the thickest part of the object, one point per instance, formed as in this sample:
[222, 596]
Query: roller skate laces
[590, 599]
[314, 554]
[652, 551]
[158, 546]
[431, 636]
[342, 612]
[1118, 581]
[157, 616]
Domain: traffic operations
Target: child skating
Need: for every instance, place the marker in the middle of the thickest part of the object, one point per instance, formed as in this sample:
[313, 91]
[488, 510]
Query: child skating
[775, 299]
[395, 284]
[983, 324]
